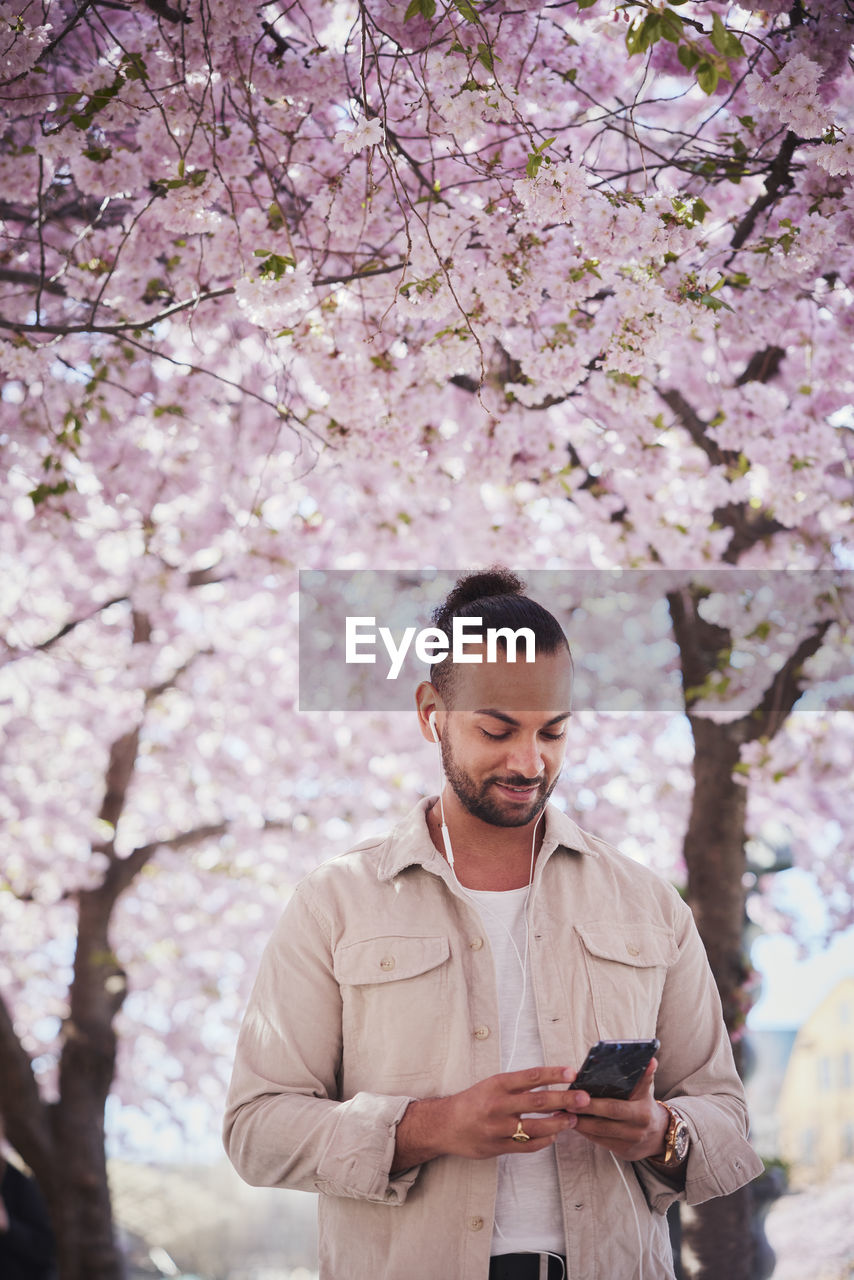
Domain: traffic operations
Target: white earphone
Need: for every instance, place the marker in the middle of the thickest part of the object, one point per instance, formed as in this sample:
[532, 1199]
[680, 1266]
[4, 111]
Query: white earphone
[446, 835]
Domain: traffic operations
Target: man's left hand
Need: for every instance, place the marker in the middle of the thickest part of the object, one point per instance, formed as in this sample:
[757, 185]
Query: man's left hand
[633, 1129]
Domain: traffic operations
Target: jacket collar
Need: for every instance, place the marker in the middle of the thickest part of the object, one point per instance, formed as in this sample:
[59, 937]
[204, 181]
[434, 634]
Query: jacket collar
[409, 843]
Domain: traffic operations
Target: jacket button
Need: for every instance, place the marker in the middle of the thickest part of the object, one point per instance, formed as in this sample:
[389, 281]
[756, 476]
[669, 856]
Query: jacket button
[387, 962]
[475, 1224]
[480, 1033]
[633, 951]
[476, 944]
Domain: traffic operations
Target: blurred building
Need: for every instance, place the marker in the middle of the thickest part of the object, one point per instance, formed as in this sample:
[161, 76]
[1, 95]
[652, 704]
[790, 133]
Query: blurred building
[766, 1059]
[816, 1105]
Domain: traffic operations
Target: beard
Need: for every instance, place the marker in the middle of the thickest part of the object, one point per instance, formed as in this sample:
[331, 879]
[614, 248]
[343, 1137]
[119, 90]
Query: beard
[482, 801]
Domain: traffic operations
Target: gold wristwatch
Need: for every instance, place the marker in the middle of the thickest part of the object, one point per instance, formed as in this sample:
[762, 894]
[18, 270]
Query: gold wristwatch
[677, 1140]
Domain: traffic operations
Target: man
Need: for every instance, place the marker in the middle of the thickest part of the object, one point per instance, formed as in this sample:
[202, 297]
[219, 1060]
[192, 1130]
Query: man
[428, 997]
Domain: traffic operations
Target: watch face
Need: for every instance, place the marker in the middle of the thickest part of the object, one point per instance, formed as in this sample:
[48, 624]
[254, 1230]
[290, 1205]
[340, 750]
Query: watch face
[681, 1141]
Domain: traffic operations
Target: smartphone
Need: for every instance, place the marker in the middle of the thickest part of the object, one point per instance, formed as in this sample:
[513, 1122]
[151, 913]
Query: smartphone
[612, 1068]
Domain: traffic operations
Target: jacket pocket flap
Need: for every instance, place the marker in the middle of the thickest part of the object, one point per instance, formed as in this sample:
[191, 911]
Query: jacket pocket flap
[641, 945]
[388, 959]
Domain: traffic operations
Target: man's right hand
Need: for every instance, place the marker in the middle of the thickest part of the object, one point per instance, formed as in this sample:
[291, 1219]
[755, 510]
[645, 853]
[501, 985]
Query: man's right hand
[480, 1121]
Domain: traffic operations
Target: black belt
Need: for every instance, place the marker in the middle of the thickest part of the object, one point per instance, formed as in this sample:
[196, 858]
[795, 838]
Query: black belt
[524, 1266]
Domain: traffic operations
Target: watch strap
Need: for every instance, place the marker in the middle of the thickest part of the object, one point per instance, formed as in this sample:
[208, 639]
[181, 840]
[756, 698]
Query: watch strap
[669, 1158]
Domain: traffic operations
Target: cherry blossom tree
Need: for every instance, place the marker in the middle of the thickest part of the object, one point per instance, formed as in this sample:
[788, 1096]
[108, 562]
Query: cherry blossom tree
[348, 285]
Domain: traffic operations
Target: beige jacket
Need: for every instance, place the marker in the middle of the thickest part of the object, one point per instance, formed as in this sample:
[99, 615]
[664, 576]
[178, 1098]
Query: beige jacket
[378, 986]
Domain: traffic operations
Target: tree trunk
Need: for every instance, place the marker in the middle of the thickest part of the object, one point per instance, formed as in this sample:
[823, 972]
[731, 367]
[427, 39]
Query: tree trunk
[714, 855]
[717, 1235]
[81, 1210]
[63, 1142]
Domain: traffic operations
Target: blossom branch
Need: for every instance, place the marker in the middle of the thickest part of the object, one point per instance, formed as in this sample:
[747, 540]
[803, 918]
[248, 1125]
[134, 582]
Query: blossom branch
[778, 181]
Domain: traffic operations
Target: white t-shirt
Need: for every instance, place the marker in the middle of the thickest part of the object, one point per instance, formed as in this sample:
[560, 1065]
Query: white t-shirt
[528, 1213]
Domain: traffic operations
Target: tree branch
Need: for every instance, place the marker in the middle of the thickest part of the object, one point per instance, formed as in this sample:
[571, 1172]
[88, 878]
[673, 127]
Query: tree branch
[700, 645]
[124, 870]
[282, 46]
[130, 326]
[156, 690]
[13, 653]
[195, 578]
[359, 275]
[12, 276]
[700, 642]
[697, 429]
[120, 767]
[784, 690]
[748, 525]
[25, 1114]
[123, 326]
[165, 10]
[762, 366]
[779, 177]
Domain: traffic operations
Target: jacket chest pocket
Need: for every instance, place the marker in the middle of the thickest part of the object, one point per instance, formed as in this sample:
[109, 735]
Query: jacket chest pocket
[395, 1010]
[626, 968]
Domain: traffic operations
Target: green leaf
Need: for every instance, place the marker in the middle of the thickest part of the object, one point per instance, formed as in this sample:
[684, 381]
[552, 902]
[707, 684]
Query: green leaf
[726, 42]
[532, 168]
[423, 8]
[466, 10]
[585, 4]
[133, 65]
[537, 156]
[639, 37]
[699, 211]
[713, 304]
[671, 26]
[707, 76]
[687, 56]
[274, 265]
[718, 36]
[485, 57]
[44, 491]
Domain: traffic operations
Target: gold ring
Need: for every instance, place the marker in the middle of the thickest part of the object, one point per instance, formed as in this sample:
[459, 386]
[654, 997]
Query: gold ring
[520, 1135]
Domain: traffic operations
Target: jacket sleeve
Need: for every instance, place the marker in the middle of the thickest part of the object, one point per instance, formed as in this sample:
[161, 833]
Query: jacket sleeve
[284, 1123]
[697, 1076]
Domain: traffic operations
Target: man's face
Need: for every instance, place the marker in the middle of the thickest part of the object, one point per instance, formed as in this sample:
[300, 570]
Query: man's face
[504, 736]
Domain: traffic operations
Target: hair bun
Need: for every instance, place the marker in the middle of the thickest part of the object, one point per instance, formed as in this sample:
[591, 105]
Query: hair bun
[495, 581]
